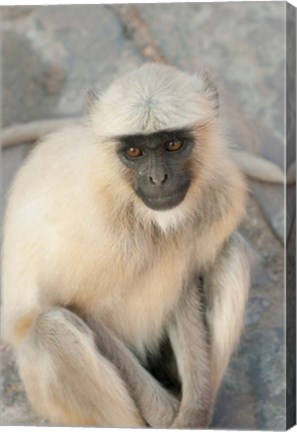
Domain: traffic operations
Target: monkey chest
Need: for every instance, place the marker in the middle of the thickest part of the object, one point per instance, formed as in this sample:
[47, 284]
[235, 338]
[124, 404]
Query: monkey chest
[138, 309]
[134, 300]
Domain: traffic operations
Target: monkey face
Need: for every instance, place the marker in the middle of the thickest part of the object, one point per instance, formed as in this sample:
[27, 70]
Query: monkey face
[159, 166]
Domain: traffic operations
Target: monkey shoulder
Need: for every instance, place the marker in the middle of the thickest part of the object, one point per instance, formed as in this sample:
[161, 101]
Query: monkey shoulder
[55, 176]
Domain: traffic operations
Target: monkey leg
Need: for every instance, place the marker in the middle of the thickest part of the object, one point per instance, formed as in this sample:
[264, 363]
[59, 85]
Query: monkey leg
[66, 378]
[157, 405]
[226, 288]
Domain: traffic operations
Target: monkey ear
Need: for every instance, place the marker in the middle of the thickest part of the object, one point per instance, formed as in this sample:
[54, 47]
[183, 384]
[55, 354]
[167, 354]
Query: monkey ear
[91, 98]
[204, 84]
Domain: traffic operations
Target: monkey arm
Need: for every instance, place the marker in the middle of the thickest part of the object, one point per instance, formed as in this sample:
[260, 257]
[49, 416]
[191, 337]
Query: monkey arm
[188, 336]
[156, 404]
[226, 290]
[203, 352]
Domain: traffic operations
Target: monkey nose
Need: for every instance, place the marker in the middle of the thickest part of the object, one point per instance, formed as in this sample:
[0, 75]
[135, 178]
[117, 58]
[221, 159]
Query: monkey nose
[158, 180]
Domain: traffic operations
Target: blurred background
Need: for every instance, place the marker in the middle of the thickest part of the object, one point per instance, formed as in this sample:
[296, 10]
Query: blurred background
[52, 55]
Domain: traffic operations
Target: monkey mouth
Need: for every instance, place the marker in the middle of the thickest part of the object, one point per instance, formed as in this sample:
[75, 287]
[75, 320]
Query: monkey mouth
[164, 202]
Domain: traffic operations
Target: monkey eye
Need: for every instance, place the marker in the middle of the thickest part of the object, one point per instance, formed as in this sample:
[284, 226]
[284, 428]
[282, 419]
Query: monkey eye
[173, 146]
[133, 152]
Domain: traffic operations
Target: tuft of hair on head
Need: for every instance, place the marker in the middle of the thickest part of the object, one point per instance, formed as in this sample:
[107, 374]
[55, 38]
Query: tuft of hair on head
[154, 97]
[203, 82]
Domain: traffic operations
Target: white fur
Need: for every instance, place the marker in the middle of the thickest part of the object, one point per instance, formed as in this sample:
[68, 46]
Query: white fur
[148, 99]
[170, 219]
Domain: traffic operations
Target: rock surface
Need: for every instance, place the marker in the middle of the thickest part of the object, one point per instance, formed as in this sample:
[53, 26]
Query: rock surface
[53, 54]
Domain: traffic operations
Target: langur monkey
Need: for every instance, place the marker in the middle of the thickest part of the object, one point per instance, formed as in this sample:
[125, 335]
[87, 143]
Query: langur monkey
[124, 280]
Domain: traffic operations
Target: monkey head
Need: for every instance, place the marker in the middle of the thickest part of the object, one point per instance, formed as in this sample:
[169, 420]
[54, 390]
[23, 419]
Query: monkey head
[161, 127]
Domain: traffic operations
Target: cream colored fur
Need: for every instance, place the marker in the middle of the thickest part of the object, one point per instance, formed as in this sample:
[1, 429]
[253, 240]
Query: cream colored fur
[76, 234]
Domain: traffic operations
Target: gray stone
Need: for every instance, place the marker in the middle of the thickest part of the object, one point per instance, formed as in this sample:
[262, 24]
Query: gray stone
[256, 307]
[96, 48]
[31, 82]
[253, 392]
[51, 59]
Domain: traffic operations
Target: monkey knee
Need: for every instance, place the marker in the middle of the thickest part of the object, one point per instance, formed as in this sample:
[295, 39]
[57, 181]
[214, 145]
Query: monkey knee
[59, 327]
[56, 318]
[58, 340]
[48, 362]
[70, 382]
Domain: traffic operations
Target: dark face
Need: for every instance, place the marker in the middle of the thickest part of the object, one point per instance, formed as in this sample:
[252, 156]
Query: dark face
[160, 166]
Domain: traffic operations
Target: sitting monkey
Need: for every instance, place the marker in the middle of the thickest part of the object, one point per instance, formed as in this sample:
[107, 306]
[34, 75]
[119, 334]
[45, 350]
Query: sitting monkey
[124, 280]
